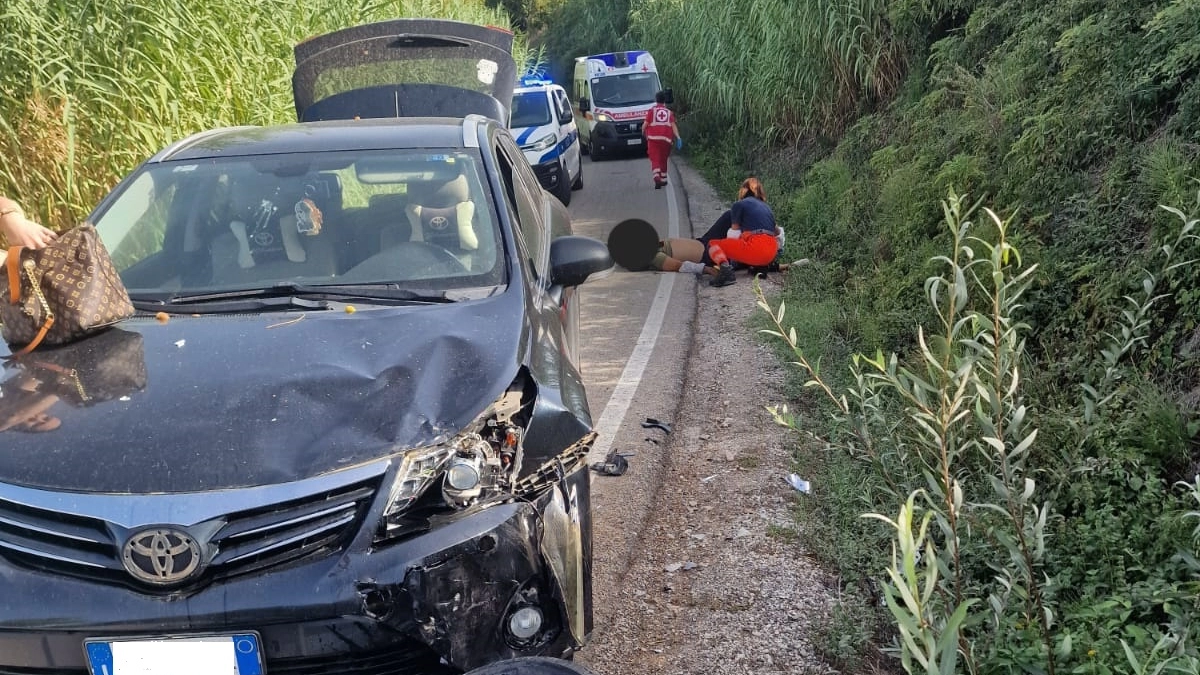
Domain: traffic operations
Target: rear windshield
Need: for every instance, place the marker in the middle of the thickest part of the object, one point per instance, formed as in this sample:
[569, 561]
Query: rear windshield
[417, 218]
[531, 109]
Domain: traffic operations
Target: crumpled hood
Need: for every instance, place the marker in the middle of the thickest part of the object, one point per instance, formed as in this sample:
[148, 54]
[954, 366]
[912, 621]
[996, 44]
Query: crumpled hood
[244, 400]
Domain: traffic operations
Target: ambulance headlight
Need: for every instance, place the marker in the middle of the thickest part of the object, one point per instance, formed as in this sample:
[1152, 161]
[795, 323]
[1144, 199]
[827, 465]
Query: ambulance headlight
[603, 117]
[544, 143]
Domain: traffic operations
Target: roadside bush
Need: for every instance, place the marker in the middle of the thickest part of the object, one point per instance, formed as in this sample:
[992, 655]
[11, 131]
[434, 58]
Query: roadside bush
[1007, 554]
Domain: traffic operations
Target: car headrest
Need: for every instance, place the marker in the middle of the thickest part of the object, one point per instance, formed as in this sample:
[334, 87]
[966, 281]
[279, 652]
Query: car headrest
[325, 189]
[441, 196]
[248, 191]
[453, 192]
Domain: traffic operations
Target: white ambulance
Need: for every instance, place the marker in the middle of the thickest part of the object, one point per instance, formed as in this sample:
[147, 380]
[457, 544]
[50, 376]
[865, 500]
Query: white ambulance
[542, 122]
[611, 94]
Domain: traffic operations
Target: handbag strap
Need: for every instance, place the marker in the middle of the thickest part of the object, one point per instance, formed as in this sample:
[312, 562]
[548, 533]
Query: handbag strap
[67, 373]
[13, 263]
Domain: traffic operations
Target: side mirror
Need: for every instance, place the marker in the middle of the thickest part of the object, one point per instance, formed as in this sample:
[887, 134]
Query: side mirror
[573, 259]
[584, 104]
[670, 95]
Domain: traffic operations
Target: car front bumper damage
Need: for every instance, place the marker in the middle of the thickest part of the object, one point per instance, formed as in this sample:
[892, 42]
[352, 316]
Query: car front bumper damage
[436, 602]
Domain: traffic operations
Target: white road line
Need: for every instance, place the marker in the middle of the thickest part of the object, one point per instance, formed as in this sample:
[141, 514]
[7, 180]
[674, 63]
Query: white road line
[622, 395]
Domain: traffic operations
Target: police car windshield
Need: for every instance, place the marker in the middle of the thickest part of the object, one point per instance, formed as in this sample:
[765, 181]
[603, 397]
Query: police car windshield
[633, 89]
[529, 110]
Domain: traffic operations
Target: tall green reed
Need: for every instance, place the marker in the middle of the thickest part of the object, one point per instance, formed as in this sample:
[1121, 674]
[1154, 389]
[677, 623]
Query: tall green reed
[784, 67]
[90, 89]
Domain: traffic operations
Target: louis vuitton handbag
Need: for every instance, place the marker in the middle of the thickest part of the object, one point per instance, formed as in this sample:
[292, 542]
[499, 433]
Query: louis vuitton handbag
[60, 293]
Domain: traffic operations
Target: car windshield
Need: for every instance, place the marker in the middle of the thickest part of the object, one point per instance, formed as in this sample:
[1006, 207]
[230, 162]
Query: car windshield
[417, 220]
[531, 109]
[633, 89]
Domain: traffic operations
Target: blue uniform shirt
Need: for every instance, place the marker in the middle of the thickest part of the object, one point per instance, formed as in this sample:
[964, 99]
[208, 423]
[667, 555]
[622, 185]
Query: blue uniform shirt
[753, 215]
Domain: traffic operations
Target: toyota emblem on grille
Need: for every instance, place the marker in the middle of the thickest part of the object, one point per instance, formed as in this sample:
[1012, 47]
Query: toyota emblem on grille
[439, 222]
[161, 556]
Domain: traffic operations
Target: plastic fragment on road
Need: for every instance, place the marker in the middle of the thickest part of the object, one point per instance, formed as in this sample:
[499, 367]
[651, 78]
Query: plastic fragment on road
[799, 483]
[614, 464]
[652, 423]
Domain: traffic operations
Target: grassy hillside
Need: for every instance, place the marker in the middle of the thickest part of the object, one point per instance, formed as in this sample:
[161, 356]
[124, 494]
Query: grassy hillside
[1074, 120]
[88, 90]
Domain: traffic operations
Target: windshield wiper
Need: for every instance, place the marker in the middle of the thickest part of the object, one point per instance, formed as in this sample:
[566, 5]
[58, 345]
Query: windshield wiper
[246, 304]
[294, 291]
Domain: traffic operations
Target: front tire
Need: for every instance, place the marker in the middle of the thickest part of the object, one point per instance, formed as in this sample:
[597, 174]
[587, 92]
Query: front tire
[532, 665]
[562, 189]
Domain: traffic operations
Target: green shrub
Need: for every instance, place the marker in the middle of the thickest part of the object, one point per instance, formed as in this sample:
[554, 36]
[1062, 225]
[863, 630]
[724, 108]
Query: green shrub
[1010, 553]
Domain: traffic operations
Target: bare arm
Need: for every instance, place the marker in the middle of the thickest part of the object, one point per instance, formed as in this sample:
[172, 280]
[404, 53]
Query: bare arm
[19, 230]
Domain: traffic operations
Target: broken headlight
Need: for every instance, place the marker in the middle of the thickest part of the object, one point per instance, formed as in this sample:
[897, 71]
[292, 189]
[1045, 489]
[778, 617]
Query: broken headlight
[480, 462]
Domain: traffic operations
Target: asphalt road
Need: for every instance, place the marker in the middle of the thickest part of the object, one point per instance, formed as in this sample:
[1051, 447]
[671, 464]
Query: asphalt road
[635, 337]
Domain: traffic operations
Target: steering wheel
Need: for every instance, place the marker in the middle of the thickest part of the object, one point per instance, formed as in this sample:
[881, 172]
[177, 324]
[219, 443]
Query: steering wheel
[409, 260]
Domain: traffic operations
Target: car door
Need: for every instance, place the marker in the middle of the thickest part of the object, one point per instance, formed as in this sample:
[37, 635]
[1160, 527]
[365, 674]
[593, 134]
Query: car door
[566, 120]
[535, 208]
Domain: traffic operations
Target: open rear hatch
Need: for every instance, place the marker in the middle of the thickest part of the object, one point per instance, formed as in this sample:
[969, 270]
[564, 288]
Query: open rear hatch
[405, 68]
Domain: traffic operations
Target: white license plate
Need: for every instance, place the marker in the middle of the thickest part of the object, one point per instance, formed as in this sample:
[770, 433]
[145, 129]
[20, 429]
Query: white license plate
[634, 141]
[200, 655]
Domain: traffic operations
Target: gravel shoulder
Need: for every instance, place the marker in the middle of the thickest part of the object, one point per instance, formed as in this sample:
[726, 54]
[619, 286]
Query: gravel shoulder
[709, 575]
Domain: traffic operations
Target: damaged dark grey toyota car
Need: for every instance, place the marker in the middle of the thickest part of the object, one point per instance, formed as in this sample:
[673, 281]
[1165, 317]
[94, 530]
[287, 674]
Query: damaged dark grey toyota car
[346, 431]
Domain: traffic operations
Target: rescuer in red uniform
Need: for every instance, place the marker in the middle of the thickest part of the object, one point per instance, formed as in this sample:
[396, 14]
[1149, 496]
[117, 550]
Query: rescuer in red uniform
[660, 133]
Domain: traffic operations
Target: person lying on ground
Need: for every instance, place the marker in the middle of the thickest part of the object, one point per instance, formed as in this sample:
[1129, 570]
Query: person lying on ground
[749, 216]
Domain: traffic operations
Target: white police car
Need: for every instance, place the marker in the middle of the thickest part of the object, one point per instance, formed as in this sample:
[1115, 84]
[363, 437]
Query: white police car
[543, 124]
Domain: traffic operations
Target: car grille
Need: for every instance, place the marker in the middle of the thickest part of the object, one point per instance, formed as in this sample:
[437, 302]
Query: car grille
[627, 128]
[246, 540]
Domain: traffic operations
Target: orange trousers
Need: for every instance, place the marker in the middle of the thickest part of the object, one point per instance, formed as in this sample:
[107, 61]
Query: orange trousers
[755, 249]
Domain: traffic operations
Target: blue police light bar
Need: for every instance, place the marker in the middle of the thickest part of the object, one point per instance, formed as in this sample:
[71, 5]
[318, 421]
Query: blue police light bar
[534, 81]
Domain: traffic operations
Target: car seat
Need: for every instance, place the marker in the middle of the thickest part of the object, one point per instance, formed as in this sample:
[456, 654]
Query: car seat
[278, 229]
[389, 220]
[443, 215]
